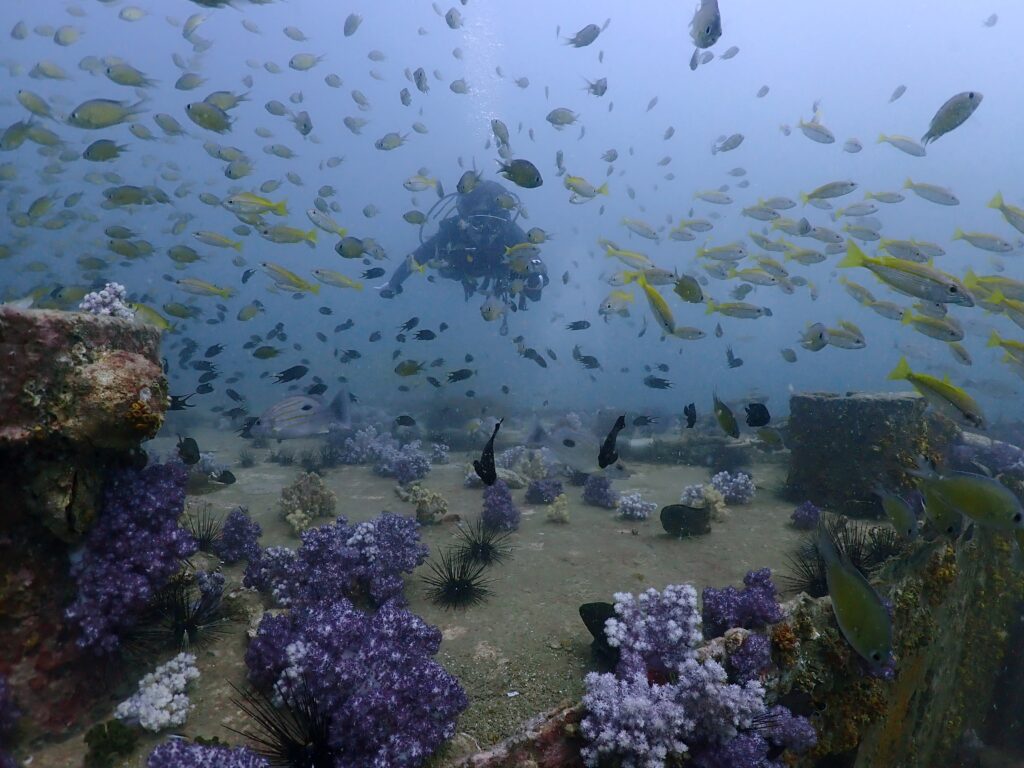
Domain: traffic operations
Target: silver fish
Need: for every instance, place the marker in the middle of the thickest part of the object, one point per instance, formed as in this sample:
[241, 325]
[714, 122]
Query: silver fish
[302, 416]
[706, 26]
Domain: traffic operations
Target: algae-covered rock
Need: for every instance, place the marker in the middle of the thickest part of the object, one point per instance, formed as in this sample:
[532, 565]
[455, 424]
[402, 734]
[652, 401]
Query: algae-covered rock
[305, 500]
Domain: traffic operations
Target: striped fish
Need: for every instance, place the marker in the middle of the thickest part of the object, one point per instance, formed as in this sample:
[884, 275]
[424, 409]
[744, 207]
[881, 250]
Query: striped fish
[302, 416]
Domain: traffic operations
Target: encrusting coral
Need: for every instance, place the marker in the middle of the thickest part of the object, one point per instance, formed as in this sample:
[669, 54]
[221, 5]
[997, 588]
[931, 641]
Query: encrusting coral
[306, 499]
[431, 506]
[161, 701]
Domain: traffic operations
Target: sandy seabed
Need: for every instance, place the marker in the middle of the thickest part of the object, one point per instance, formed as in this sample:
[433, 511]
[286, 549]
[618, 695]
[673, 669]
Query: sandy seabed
[523, 651]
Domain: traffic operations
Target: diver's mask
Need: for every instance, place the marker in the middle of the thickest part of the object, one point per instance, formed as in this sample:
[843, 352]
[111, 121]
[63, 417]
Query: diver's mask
[482, 229]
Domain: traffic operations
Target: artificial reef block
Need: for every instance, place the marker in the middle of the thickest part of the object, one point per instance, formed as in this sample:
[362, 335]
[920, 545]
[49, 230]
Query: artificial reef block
[77, 392]
[843, 445]
[80, 378]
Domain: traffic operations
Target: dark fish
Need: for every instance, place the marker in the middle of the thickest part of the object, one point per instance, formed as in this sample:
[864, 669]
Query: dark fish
[608, 455]
[188, 450]
[551, 353]
[291, 374]
[375, 336]
[578, 325]
[437, 363]
[442, 327]
[504, 389]
[734, 362]
[565, 277]
[425, 335]
[460, 375]
[690, 412]
[400, 338]
[470, 393]
[322, 336]
[247, 425]
[484, 468]
[725, 418]
[344, 326]
[316, 389]
[208, 376]
[718, 330]
[266, 352]
[409, 324]
[370, 274]
[656, 382]
[236, 413]
[180, 402]
[225, 477]
[204, 389]
[233, 395]
[534, 355]
[663, 367]
[757, 415]
[203, 365]
[468, 358]
[643, 421]
[247, 274]
[325, 311]
[405, 421]
[433, 382]
[213, 351]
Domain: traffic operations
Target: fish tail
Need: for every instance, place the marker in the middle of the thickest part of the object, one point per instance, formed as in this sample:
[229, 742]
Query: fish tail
[711, 307]
[901, 371]
[907, 318]
[958, 234]
[603, 189]
[310, 236]
[995, 340]
[804, 197]
[855, 257]
[237, 245]
[881, 138]
[997, 201]
[281, 209]
[971, 280]
[909, 183]
[996, 297]
[314, 288]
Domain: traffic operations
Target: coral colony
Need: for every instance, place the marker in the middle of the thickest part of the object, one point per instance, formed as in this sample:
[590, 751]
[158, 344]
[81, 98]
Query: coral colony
[598, 492]
[110, 300]
[753, 607]
[737, 489]
[132, 551]
[178, 753]
[364, 562]
[633, 507]
[9, 714]
[370, 679]
[806, 516]
[543, 491]
[161, 701]
[239, 537]
[499, 512]
[664, 701]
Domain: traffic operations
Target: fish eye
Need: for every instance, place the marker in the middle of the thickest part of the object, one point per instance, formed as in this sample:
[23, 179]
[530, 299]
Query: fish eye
[1017, 517]
[952, 289]
[707, 30]
[970, 95]
[306, 407]
[569, 443]
[876, 656]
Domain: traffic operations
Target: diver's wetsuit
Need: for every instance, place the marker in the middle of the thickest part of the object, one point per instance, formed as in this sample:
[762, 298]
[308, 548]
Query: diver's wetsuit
[474, 253]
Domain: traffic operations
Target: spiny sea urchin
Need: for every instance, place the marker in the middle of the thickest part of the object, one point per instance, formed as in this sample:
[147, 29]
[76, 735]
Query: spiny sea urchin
[482, 545]
[456, 582]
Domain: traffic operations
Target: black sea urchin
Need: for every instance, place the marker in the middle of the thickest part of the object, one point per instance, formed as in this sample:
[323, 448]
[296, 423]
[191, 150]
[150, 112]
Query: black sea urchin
[187, 613]
[456, 582]
[205, 525]
[482, 545]
[865, 549]
[293, 735]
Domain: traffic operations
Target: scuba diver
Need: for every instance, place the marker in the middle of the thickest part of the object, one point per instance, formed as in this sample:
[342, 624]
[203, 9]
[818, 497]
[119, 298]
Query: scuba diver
[479, 244]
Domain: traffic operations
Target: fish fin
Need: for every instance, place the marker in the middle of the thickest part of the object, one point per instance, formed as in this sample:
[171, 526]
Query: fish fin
[281, 209]
[237, 245]
[958, 234]
[994, 340]
[909, 183]
[603, 189]
[855, 257]
[997, 201]
[901, 371]
[907, 318]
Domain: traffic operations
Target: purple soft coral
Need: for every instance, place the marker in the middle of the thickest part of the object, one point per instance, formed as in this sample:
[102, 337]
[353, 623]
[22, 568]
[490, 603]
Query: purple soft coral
[543, 491]
[500, 512]
[406, 464]
[598, 492]
[806, 516]
[751, 608]
[133, 550]
[752, 658]
[365, 562]
[736, 489]
[179, 753]
[385, 699]
[240, 537]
